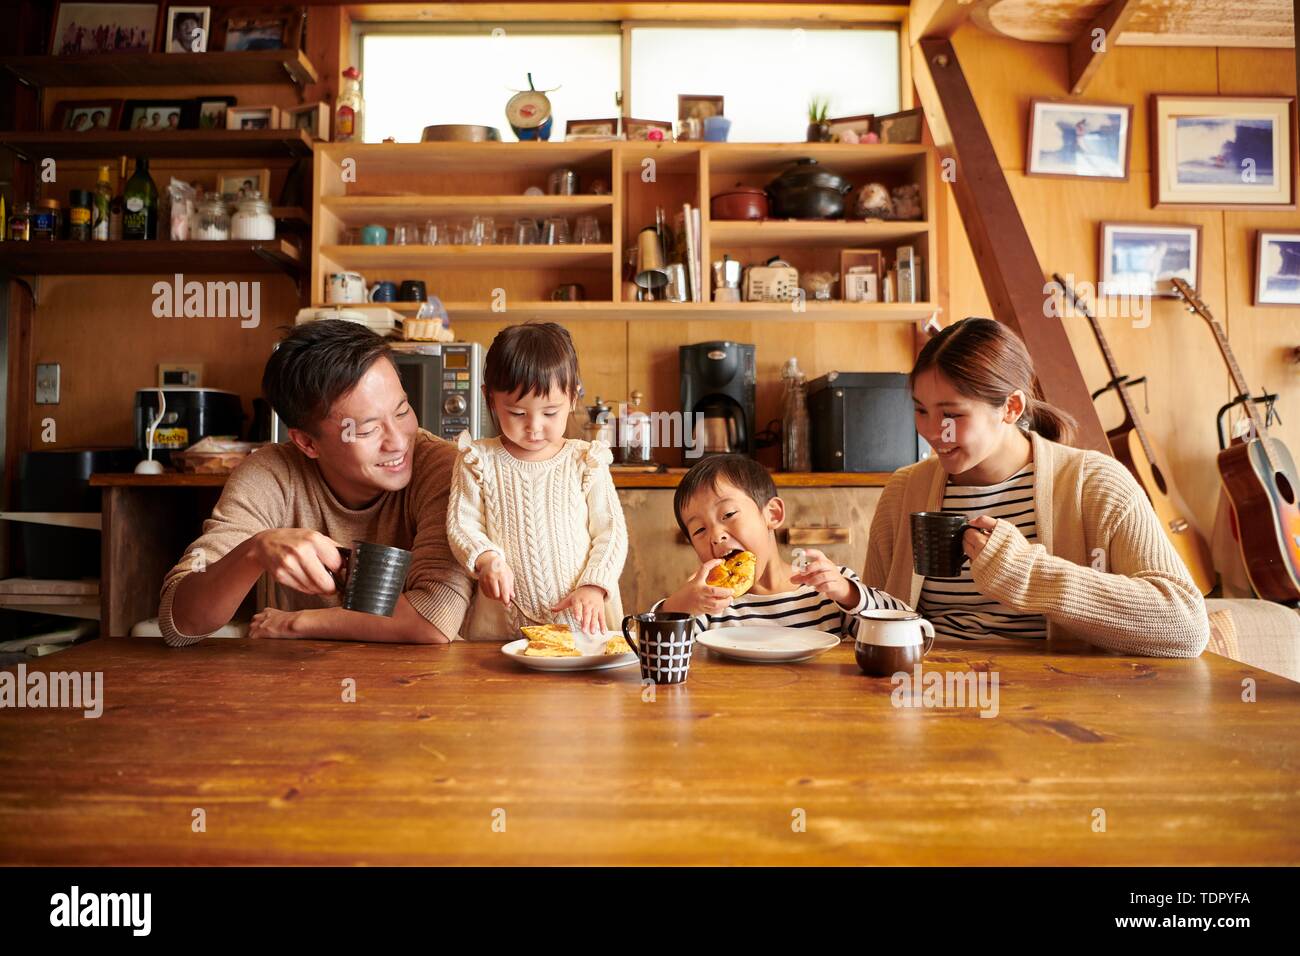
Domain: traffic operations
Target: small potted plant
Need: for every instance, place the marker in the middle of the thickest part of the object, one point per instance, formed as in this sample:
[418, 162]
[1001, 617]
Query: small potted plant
[819, 130]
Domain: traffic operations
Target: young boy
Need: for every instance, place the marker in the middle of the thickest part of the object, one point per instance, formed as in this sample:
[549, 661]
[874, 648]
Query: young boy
[728, 502]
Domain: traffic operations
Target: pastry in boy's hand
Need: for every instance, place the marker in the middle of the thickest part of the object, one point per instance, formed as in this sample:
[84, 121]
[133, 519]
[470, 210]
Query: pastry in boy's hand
[735, 573]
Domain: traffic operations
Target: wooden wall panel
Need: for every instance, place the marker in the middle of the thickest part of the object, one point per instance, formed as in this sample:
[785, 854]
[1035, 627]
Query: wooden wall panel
[1176, 351]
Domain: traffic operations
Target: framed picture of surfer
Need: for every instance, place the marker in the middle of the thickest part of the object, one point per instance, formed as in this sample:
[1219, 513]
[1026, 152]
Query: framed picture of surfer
[1223, 151]
[1078, 140]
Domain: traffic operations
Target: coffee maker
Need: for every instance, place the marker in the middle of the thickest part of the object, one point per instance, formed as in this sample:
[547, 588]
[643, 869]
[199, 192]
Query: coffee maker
[717, 386]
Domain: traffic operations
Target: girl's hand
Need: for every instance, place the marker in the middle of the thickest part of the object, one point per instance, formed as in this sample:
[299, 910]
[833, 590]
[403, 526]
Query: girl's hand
[973, 540]
[587, 604]
[697, 596]
[823, 575]
[270, 622]
[495, 578]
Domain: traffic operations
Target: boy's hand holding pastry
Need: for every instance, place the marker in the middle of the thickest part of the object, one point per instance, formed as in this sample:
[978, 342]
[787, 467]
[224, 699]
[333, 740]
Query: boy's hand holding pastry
[697, 596]
[823, 575]
[495, 578]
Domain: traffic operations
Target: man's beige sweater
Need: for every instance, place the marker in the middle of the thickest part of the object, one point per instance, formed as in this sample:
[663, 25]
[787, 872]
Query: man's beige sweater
[1102, 570]
[280, 487]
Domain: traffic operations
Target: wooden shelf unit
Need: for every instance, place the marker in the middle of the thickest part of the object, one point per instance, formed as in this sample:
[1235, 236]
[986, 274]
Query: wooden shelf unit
[164, 144]
[383, 184]
[124, 257]
[251, 67]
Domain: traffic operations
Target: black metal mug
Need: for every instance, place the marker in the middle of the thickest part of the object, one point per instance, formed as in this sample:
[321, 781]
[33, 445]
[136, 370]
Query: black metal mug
[376, 576]
[666, 640]
[937, 543]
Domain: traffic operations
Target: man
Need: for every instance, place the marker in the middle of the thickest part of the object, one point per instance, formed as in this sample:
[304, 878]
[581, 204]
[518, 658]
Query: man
[358, 467]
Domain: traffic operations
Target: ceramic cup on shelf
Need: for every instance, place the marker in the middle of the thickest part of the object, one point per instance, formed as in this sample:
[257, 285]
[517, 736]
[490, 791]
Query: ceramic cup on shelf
[343, 288]
[374, 236]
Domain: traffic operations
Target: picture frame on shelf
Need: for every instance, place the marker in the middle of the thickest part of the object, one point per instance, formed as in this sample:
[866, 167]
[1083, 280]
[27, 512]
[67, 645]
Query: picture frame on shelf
[103, 28]
[1140, 258]
[312, 117]
[901, 127]
[186, 29]
[158, 115]
[241, 29]
[239, 182]
[640, 130]
[590, 129]
[210, 111]
[858, 126]
[83, 116]
[700, 106]
[1078, 140]
[1277, 268]
[1223, 152]
[253, 117]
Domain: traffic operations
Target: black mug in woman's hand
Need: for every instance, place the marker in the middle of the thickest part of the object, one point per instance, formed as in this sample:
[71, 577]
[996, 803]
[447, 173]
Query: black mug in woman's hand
[937, 543]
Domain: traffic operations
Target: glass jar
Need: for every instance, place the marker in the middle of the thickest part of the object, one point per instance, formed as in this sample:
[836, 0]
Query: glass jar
[252, 219]
[211, 220]
[46, 220]
[20, 222]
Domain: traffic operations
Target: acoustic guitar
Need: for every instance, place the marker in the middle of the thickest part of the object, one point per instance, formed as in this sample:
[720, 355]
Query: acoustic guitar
[1135, 449]
[1260, 480]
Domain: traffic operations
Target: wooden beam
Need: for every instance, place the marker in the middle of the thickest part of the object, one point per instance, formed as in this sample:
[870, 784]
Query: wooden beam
[1097, 39]
[936, 18]
[1013, 279]
[729, 13]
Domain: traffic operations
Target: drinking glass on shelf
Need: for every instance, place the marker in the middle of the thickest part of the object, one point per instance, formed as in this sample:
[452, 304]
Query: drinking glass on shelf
[458, 231]
[406, 234]
[526, 232]
[351, 236]
[555, 231]
[434, 233]
[587, 231]
[504, 236]
[483, 231]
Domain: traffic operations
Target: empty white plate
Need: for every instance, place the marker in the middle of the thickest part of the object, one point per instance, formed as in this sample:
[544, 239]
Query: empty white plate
[756, 642]
[588, 662]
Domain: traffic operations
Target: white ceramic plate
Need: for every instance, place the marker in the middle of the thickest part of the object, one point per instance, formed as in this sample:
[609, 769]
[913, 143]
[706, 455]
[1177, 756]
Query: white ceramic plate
[756, 642]
[590, 662]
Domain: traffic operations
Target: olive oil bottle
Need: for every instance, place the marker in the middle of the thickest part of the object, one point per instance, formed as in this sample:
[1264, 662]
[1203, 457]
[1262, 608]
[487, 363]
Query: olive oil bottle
[140, 218]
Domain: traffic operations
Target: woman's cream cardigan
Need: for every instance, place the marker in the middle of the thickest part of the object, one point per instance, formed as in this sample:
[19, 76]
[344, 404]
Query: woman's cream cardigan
[1101, 570]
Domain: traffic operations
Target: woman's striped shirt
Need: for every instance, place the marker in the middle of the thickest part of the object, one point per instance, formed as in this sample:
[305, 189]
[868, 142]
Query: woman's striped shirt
[953, 605]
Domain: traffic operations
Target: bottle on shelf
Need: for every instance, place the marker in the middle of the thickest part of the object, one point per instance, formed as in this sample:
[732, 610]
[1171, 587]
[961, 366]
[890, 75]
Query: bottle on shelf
[140, 219]
[103, 202]
[796, 448]
[349, 115]
[117, 207]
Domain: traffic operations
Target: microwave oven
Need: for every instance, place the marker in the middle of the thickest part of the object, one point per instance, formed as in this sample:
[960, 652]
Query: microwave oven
[444, 384]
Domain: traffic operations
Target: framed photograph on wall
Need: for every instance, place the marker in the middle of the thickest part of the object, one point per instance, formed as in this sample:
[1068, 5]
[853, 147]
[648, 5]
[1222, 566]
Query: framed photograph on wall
[313, 117]
[258, 28]
[904, 127]
[858, 127]
[240, 183]
[1223, 151]
[154, 116]
[1277, 268]
[103, 28]
[698, 106]
[186, 29]
[253, 117]
[645, 130]
[576, 129]
[1084, 140]
[81, 116]
[1140, 258]
[210, 111]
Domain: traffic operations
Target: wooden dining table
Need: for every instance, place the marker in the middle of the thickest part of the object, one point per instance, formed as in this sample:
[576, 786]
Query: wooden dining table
[315, 752]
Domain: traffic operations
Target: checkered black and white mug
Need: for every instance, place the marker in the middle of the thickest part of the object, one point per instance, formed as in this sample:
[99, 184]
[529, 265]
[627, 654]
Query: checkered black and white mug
[664, 643]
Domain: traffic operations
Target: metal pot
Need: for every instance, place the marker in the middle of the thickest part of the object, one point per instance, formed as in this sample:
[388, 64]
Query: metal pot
[460, 132]
[808, 191]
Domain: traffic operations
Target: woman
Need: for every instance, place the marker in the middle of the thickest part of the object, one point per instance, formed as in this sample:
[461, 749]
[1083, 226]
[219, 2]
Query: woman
[1063, 540]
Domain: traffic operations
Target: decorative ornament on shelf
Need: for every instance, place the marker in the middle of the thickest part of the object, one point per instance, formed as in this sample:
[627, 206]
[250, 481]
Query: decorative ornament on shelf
[819, 129]
[529, 113]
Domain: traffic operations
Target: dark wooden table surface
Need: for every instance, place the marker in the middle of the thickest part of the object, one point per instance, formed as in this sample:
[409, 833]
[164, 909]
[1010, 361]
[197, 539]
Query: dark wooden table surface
[455, 755]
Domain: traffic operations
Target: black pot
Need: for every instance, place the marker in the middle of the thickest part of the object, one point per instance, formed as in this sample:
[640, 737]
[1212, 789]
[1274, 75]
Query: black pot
[808, 191]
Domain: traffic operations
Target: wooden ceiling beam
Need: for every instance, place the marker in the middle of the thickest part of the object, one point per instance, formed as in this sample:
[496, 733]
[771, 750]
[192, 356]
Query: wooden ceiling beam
[1098, 38]
[1008, 266]
[936, 18]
